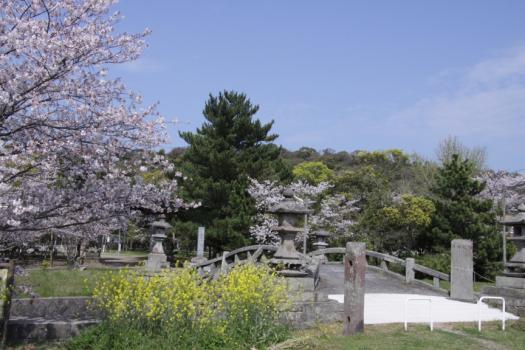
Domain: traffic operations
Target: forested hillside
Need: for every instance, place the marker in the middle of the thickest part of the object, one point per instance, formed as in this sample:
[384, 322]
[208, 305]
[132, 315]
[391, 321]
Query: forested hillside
[399, 203]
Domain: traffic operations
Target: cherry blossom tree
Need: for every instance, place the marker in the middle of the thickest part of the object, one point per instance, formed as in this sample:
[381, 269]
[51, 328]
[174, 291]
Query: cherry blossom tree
[74, 143]
[337, 214]
[334, 211]
[504, 188]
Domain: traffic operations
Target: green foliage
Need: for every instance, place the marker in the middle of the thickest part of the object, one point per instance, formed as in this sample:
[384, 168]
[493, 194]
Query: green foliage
[404, 221]
[367, 185]
[186, 233]
[388, 158]
[182, 310]
[229, 148]
[460, 213]
[313, 172]
[437, 261]
[154, 176]
[136, 237]
[412, 212]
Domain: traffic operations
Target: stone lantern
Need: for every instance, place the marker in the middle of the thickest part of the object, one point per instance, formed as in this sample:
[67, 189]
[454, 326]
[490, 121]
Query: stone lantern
[157, 258]
[289, 212]
[515, 267]
[511, 285]
[320, 243]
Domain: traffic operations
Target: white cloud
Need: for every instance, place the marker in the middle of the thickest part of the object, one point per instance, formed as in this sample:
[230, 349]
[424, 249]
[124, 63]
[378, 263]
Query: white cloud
[509, 66]
[488, 103]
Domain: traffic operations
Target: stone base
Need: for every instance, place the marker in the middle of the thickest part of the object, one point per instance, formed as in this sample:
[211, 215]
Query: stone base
[38, 329]
[156, 262]
[510, 282]
[514, 298]
[42, 319]
[306, 314]
[304, 289]
[309, 305]
[197, 260]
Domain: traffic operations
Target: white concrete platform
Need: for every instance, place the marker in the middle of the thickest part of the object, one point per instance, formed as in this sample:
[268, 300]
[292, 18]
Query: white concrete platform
[389, 308]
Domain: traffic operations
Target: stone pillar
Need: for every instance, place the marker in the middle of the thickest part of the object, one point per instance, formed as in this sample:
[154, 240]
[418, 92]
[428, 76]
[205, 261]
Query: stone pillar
[354, 304]
[224, 263]
[200, 243]
[462, 270]
[200, 247]
[410, 274]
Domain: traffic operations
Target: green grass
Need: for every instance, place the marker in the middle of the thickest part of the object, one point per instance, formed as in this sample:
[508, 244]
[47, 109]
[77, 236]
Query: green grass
[512, 338]
[390, 337]
[386, 337]
[113, 253]
[62, 282]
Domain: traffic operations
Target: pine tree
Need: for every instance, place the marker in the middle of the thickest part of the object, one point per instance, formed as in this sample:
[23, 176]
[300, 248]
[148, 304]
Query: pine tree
[461, 213]
[227, 150]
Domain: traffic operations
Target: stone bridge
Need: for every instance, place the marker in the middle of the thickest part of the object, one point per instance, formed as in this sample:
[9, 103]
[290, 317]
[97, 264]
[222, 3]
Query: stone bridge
[377, 281]
[385, 274]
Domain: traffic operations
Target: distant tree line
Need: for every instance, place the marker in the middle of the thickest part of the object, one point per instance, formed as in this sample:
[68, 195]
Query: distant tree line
[398, 203]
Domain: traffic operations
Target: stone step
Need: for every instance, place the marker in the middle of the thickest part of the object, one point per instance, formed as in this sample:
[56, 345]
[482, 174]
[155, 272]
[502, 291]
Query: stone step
[40, 329]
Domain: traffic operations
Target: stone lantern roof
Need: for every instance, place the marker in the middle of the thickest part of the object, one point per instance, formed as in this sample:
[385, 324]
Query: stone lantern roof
[161, 224]
[322, 233]
[289, 205]
[515, 219]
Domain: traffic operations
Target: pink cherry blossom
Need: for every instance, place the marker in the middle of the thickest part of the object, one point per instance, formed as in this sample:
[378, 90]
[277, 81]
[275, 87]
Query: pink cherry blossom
[72, 139]
[504, 188]
[335, 212]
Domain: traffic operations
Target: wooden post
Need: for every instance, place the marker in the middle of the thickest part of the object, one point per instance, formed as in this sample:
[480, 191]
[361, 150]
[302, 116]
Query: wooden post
[355, 269]
[7, 299]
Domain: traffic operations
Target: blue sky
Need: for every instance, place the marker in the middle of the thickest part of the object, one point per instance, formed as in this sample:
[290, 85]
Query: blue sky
[343, 74]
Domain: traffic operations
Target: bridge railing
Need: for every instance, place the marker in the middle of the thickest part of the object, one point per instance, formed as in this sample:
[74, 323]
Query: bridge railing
[384, 260]
[250, 253]
[257, 252]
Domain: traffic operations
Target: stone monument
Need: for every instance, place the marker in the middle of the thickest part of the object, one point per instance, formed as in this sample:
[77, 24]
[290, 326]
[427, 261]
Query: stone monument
[462, 270]
[511, 285]
[157, 258]
[200, 247]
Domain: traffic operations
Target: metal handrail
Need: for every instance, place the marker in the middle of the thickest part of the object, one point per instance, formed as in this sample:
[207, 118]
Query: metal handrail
[430, 311]
[502, 310]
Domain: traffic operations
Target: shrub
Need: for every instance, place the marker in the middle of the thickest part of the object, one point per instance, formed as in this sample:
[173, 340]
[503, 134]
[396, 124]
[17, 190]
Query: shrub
[251, 298]
[439, 262]
[179, 309]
